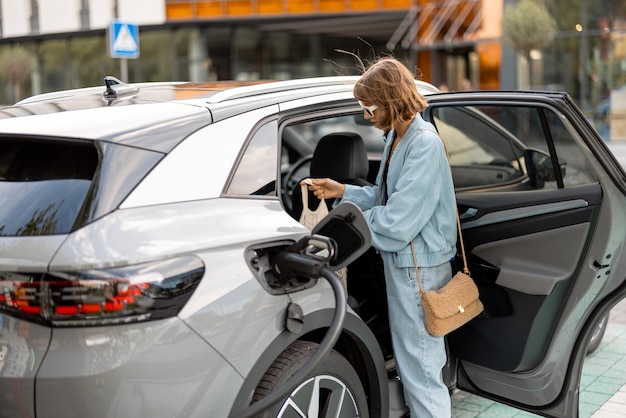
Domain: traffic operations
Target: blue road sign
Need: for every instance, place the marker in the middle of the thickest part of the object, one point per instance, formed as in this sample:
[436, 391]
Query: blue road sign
[123, 40]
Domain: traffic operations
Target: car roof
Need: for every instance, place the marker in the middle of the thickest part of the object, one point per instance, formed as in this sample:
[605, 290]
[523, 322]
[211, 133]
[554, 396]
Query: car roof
[157, 116]
[210, 92]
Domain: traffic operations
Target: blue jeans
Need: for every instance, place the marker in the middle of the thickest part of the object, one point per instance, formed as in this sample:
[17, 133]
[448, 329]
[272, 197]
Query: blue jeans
[419, 356]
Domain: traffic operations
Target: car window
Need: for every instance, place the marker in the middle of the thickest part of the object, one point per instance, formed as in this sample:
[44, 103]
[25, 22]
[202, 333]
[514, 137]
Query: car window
[56, 186]
[482, 153]
[256, 171]
[43, 185]
[300, 139]
[312, 131]
[577, 167]
[489, 147]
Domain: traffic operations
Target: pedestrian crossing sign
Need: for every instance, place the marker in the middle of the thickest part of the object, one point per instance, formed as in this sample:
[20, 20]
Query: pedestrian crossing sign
[123, 40]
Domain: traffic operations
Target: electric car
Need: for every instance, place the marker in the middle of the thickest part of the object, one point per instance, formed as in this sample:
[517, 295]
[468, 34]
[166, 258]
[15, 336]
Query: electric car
[144, 230]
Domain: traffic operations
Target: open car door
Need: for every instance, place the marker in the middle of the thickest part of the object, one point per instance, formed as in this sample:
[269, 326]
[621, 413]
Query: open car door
[542, 210]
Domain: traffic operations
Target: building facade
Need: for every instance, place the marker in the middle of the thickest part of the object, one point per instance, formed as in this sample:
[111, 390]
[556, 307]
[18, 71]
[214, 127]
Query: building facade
[48, 45]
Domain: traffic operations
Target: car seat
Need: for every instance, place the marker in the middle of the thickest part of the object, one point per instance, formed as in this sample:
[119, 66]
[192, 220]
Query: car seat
[340, 156]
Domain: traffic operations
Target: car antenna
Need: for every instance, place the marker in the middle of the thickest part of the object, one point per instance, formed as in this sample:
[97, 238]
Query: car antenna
[116, 88]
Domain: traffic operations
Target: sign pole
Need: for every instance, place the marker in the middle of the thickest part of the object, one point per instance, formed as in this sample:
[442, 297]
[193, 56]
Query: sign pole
[124, 69]
[123, 44]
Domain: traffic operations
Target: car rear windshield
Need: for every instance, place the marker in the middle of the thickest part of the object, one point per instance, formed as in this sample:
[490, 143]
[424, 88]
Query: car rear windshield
[52, 187]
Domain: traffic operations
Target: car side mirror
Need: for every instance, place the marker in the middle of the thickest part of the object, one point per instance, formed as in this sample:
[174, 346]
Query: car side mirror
[539, 167]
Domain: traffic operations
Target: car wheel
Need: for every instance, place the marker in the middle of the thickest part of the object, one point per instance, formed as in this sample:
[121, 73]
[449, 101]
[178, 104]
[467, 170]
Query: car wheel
[598, 333]
[332, 390]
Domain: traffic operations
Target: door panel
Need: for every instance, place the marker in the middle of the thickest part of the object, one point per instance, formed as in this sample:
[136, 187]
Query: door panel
[550, 253]
[534, 217]
[523, 259]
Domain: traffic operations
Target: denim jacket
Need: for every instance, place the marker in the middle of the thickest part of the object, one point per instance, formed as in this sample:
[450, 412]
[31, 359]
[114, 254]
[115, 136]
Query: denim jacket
[421, 205]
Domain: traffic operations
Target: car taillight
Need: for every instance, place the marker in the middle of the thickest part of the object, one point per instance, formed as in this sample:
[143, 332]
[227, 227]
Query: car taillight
[102, 297]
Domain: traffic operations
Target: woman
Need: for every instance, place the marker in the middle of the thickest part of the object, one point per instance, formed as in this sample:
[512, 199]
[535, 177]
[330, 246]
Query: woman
[412, 200]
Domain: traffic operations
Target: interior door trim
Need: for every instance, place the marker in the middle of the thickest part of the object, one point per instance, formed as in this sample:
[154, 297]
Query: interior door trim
[533, 264]
[524, 212]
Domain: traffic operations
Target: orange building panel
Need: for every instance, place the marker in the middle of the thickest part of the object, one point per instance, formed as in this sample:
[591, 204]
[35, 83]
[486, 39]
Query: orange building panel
[332, 5]
[365, 4]
[397, 4]
[239, 8]
[300, 6]
[176, 11]
[424, 71]
[209, 8]
[190, 9]
[265, 7]
[490, 57]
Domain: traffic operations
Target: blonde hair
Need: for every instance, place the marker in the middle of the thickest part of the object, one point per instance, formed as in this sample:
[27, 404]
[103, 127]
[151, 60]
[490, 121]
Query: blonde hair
[389, 84]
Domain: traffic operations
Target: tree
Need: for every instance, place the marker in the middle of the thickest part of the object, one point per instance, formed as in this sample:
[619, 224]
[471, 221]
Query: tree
[16, 65]
[527, 26]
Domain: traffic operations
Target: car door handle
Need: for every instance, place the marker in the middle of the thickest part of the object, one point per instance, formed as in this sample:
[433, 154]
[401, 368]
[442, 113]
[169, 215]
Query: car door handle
[469, 213]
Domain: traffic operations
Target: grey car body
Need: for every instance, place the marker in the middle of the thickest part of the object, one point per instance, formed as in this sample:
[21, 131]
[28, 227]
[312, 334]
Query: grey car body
[174, 190]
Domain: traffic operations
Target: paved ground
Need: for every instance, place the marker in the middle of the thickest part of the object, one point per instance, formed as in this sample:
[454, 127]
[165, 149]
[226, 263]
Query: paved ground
[603, 382]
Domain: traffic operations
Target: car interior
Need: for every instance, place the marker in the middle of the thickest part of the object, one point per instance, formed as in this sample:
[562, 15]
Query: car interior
[341, 156]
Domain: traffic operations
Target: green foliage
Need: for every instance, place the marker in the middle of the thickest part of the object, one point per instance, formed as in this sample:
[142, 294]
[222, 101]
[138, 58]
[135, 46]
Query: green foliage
[16, 64]
[16, 67]
[528, 25]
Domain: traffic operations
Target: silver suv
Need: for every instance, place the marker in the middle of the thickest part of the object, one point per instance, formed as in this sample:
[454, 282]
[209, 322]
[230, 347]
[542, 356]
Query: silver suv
[139, 224]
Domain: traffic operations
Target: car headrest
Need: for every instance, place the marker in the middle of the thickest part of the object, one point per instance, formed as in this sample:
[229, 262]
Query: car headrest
[341, 156]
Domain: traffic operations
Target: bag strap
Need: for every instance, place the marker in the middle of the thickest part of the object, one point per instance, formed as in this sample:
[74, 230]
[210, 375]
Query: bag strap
[417, 272]
[458, 219]
[465, 269]
[304, 189]
[458, 223]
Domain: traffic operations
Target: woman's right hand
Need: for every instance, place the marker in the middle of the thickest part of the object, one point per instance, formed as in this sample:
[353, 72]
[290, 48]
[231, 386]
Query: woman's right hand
[325, 188]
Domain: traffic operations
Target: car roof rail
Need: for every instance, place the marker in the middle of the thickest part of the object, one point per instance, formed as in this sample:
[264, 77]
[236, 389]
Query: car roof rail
[281, 86]
[298, 84]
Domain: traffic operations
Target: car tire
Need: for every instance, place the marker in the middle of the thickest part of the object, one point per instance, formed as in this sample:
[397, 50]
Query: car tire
[333, 389]
[598, 334]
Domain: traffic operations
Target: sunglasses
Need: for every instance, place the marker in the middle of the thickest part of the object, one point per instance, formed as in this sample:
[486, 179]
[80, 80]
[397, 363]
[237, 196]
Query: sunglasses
[368, 109]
